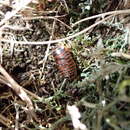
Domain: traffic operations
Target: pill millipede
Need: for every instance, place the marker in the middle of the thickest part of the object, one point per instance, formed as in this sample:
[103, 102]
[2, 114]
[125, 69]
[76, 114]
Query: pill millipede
[65, 62]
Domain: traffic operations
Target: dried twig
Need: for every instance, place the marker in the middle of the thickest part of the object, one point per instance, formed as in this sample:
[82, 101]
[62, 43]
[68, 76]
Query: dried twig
[19, 91]
[5, 81]
[102, 15]
[49, 45]
[5, 121]
[62, 39]
[112, 13]
[9, 15]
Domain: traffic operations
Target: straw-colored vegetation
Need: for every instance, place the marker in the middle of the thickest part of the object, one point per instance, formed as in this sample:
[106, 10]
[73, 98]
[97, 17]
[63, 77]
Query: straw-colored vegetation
[34, 95]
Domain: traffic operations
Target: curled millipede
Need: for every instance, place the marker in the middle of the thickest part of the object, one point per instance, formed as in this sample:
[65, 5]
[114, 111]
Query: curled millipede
[65, 62]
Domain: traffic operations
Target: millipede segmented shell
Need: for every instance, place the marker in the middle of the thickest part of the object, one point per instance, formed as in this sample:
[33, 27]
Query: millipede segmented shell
[65, 62]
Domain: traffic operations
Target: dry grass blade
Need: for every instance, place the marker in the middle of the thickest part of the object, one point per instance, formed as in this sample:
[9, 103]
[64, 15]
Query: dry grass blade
[111, 14]
[121, 54]
[5, 121]
[4, 81]
[63, 39]
[102, 15]
[19, 91]
[9, 15]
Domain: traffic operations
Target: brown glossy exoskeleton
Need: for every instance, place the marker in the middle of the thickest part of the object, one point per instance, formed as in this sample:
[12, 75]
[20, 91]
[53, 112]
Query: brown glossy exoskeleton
[65, 62]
